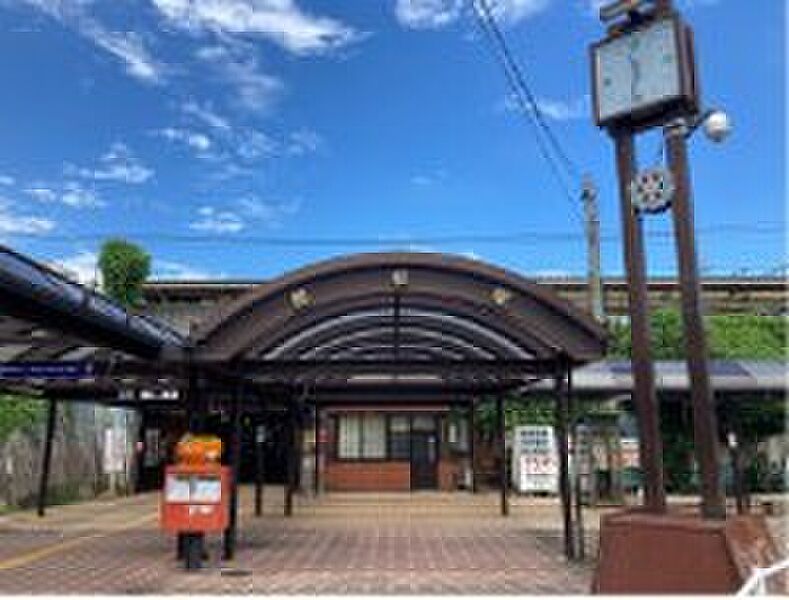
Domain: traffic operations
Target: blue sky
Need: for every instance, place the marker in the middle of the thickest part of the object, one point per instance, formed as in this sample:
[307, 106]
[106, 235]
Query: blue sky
[201, 127]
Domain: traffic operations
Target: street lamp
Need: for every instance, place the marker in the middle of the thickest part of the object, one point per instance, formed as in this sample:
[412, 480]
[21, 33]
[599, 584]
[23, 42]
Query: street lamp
[717, 125]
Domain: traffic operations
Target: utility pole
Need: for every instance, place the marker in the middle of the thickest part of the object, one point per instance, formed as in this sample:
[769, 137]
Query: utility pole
[592, 225]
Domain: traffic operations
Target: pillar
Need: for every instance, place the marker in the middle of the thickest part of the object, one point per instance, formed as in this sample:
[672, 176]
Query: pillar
[290, 475]
[317, 458]
[562, 418]
[46, 459]
[502, 456]
[234, 447]
[260, 466]
[472, 439]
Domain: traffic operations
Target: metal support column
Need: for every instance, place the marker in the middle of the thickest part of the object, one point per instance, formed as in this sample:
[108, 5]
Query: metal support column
[191, 546]
[705, 425]
[260, 467]
[562, 418]
[46, 459]
[502, 456]
[231, 533]
[140, 449]
[580, 536]
[472, 437]
[290, 474]
[317, 457]
[644, 397]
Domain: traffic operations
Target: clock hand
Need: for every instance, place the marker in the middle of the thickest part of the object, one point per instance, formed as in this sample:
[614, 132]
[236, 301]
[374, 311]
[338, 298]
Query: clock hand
[635, 79]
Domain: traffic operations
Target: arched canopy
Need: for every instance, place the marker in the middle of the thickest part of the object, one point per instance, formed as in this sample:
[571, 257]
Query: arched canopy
[418, 307]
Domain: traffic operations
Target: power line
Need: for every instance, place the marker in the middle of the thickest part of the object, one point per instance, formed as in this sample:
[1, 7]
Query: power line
[530, 107]
[520, 237]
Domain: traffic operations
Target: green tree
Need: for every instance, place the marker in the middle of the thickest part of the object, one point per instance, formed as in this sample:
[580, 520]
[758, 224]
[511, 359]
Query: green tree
[753, 337]
[18, 412]
[124, 268]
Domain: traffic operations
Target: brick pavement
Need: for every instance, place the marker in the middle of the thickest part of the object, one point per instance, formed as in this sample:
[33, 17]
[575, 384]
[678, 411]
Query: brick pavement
[339, 545]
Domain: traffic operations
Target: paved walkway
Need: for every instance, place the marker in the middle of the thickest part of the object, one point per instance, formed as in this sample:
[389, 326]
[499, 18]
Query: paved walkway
[397, 543]
[429, 543]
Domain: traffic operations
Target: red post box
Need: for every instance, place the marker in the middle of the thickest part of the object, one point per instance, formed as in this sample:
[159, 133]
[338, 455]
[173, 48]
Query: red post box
[195, 498]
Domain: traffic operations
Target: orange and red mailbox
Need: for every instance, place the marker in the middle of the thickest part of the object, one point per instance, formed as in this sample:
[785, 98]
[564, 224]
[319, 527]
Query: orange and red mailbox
[196, 495]
[195, 499]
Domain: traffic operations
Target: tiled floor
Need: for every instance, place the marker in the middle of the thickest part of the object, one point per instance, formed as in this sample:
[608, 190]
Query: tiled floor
[430, 543]
[338, 544]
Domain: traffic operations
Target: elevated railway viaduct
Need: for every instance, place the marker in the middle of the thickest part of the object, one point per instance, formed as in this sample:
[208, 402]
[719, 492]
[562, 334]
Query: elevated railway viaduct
[186, 303]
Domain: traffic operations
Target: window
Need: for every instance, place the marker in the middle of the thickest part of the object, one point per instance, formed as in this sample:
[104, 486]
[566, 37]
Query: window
[374, 436]
[361, 437]
[458, 435]
[399, 438]
[349, 443]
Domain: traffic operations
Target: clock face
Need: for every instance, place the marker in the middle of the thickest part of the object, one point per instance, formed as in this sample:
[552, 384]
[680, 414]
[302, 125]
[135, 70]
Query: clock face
[638, 70]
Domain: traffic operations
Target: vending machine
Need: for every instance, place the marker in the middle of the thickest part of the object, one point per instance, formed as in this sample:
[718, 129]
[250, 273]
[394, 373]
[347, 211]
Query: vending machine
[535, 463]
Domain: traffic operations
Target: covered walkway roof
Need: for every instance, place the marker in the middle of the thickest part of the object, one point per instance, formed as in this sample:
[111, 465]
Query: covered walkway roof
[398, 314]
[391, 318]
[46, 318]
[412, 324]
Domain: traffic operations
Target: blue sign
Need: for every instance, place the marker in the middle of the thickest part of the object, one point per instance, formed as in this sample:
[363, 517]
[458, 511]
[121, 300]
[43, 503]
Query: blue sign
[46, 370]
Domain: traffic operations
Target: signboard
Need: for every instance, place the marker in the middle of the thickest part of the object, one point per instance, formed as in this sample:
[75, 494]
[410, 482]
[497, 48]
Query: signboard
[535, 459]
[46, 370]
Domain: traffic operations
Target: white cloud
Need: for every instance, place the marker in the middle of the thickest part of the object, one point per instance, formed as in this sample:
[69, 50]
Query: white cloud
[250, 145]
[303, 141]
[7, 180]
[198, 142]
[178, 271]
[242, 213]
[82, 267]
[206, 114]
[561, 110]
[551, 274]
[429, 178]
[11, 223]
[41, 193]
[268, 213]
[434, 14]
[279, 21]
[77, 196]
[211, 220]
[71, 193]
[125, 46]
[514, 11]
[118, 164]
[427, 14]
[556, 109]
[254, 90]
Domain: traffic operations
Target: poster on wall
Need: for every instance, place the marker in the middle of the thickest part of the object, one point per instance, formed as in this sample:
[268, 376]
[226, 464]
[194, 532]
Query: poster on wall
[114, 457]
